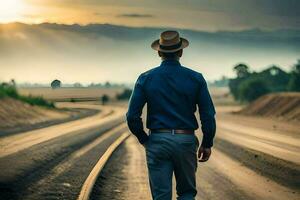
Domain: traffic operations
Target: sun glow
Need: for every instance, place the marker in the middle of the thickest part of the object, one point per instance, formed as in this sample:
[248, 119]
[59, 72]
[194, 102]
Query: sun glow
[11, 10]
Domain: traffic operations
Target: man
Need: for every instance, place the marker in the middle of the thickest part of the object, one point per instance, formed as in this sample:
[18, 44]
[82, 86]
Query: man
[172, 93]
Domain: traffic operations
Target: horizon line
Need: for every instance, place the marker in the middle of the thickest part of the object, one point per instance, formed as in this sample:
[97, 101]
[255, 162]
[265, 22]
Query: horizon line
[152, 27]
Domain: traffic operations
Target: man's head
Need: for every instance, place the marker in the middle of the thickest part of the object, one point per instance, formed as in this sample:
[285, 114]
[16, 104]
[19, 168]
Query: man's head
[170, 45]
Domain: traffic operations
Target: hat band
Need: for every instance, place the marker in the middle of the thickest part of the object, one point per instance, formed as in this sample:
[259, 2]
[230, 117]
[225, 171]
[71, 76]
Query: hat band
[175, 46]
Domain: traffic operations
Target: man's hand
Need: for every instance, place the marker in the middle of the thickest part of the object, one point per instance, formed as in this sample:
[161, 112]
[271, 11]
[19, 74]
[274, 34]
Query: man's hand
[204, 154]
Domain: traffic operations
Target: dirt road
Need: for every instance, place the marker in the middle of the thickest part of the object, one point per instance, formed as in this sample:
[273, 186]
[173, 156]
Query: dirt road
[53, 162]
[278, 141]
[18, 142]
[252, 159]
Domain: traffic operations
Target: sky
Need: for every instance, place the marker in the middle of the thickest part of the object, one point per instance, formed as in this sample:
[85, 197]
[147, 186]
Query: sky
[39, 54]
[209, 15]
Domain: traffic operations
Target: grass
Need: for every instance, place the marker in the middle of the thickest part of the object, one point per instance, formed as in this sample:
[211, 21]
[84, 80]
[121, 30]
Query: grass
[7, 90]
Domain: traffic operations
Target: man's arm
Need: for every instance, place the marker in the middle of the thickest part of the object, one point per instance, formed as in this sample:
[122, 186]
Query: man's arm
[135, 108]
[207, 115]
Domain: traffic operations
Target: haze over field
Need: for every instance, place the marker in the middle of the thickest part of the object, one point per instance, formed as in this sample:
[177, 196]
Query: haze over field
[100, 52]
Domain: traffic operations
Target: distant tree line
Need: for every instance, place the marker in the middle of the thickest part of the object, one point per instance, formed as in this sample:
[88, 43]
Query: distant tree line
[124, 95]
[223, 82]
[248, 86]
[58, 84]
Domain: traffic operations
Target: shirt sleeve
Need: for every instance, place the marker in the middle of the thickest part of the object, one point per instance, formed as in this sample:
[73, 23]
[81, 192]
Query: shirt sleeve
[207, 115]
[135, 108]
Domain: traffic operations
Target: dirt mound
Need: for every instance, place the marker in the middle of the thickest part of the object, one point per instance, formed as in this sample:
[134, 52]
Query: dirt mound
[285, 106]
[17, 114]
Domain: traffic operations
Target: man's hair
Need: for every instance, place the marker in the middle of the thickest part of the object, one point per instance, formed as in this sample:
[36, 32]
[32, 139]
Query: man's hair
[172, 55]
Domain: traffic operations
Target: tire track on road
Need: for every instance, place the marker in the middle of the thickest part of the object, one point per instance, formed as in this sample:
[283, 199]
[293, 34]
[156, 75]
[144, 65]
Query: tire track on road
[226, 176]
[66, 179]
[15, 143]
[288, 149]
[282, 172]
[125, 174]
[247, 180]
[22, 169]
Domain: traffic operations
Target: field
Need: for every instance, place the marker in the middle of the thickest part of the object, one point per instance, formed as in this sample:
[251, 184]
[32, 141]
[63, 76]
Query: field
[221, 96]
[66, 94]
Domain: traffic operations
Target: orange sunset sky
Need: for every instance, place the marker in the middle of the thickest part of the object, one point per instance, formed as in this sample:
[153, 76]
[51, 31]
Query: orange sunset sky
[194, 14]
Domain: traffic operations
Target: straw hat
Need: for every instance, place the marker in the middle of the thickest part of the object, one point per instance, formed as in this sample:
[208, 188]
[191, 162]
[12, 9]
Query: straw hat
[169, 42]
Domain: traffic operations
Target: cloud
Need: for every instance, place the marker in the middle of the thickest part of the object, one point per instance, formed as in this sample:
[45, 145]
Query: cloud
[201, 15]
[135, 15]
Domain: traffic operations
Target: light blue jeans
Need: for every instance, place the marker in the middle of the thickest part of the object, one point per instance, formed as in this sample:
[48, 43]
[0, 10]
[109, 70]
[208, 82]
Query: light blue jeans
[172, 153]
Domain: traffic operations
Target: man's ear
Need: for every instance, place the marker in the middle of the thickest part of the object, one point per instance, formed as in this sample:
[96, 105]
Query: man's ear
[159, 53]
[180, 53]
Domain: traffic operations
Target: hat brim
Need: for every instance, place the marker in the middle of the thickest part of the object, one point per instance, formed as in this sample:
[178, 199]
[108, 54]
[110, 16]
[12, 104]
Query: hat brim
[155, 45]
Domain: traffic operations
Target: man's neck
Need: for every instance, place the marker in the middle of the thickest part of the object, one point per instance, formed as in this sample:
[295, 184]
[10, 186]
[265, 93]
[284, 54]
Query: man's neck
[170, 59]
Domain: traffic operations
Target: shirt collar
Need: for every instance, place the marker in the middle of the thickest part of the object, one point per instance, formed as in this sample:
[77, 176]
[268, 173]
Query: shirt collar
[170, 62]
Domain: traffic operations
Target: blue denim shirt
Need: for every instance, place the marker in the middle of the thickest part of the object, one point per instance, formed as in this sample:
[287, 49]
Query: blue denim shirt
[172, 93]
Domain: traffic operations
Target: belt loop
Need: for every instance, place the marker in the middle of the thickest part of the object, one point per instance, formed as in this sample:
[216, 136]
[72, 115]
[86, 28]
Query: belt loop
[173, 131]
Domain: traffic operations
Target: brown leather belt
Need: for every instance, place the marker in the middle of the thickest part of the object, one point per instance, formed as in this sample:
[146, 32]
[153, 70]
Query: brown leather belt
[172, 131]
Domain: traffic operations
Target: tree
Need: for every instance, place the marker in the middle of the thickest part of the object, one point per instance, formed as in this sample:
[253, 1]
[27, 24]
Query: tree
[104, 99]
[297, 67]
[242, 70]
[223, 82]
[13, 82]
[233, 87]
[275, 78]
[107, 84]
[251, 89]
[242, 73]
[77, 85]
[8, 89]
[55, 84]
[124, 95]
[294, 82]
